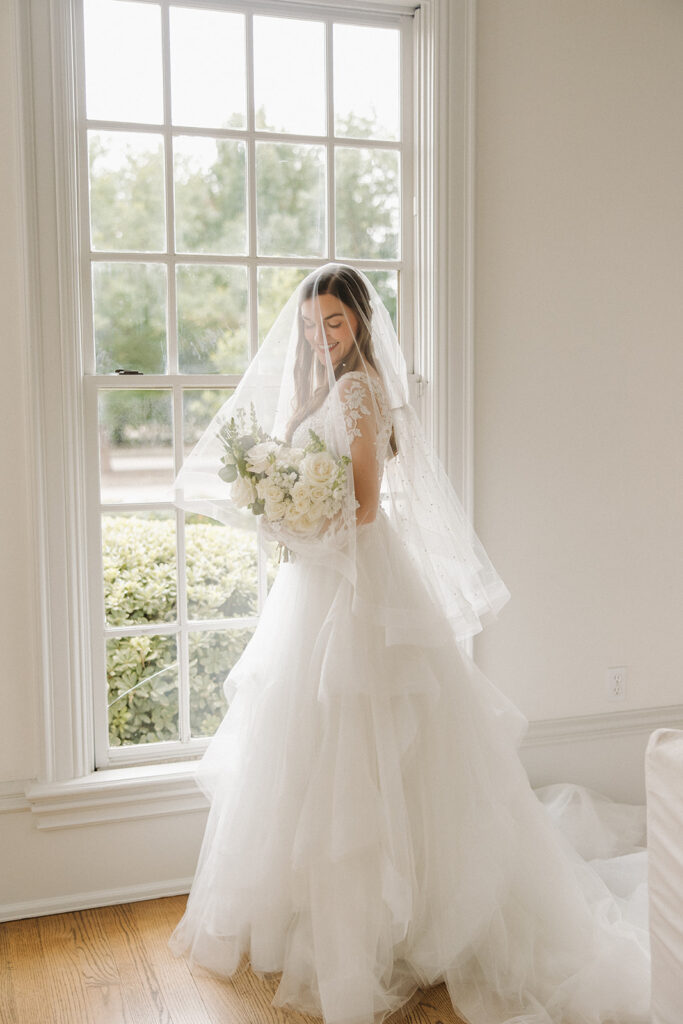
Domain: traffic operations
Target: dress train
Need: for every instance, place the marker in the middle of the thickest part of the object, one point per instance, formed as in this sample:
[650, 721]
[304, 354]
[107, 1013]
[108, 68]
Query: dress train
[372, 829]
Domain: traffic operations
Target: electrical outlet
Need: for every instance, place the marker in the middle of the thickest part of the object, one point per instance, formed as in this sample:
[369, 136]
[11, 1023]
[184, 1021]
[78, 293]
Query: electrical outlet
[616, 683]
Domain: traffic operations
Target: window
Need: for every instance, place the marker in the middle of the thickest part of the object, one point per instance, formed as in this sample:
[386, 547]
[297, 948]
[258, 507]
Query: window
[435, 298]
[225, 151]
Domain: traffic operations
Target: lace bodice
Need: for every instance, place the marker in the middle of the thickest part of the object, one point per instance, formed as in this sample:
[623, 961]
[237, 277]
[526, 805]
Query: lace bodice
[357, 403]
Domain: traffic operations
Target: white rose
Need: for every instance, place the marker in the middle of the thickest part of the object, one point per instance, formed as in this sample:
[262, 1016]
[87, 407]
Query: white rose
[242, 492]
[319, 467]
[301, 522]
[259, 456]
[301, 500]
[268, 490]
[274, 510]
[318, 493]
[290, 456]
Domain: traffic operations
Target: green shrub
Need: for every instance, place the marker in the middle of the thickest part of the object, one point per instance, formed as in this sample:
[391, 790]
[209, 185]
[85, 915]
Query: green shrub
[140, 587]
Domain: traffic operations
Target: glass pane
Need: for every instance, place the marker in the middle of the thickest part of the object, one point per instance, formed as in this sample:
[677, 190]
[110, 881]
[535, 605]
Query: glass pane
[290, 199]
[142, 679]
[136, 445]
[210, 195]
[212, 318]
[208, 70]
[212, 655]
[127, 195]
[275, 285]
[200, 405]
[123, 61]
[367, 89]
[139, 566]
[220, 563]
[129, 316]
[386, 283]
[289, 75]
[367, 190]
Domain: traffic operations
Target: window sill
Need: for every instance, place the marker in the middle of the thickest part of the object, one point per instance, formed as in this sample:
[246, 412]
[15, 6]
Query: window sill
[116, 794]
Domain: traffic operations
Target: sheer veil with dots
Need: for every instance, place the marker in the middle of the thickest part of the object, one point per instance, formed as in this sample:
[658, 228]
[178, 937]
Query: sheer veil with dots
[285, 387]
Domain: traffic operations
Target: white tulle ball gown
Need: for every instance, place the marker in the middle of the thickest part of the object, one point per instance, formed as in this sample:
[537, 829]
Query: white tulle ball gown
[372, 830]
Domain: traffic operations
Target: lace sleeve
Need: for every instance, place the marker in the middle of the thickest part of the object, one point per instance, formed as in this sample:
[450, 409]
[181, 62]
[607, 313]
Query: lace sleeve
[362, 421]
[356, 405]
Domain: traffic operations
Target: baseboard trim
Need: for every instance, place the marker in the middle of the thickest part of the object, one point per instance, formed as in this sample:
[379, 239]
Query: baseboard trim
[88, 900]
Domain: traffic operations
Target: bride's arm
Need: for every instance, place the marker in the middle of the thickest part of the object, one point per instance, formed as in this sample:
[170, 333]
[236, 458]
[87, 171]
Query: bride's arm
[361, 427]
[365, 484]
[365, 478]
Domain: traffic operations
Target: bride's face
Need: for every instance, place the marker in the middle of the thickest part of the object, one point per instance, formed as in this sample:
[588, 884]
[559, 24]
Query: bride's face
[329, 323]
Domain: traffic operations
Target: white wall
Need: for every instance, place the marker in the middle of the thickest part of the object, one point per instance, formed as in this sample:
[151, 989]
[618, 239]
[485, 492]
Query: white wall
[579, 312]
[579, 348]
[17, 614]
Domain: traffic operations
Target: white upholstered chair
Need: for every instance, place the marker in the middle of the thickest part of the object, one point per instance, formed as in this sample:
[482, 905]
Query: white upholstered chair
[664, 788]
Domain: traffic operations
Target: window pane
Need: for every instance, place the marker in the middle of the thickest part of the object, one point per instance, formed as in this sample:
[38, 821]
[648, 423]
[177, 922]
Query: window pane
[290, 199]
[367, 191]
[136, 445]
[275, 285]
[220, 564]
[210, 195]
[123, 61]
[212, 319]
[386, 284]
[289, 75]
[367, 90]
[208, 70]
[200, 405]
[127, 205]
[129, 316]
[142, 679]
[212, 655]
[139, 566]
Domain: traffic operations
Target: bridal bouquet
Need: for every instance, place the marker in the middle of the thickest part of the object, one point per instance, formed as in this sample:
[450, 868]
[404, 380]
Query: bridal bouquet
[296, 487]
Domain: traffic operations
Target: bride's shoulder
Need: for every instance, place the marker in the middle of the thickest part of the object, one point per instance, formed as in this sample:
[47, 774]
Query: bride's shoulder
[357, 381]
[362, 394]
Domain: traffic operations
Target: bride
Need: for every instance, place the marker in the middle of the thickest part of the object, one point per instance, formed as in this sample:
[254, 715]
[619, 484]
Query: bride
[371, 829]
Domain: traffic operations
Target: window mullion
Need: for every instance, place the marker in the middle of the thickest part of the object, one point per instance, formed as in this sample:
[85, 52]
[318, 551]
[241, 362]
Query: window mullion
[361, 12]
[171, 313]
[162, 381]
[182, 638]
[251, 188]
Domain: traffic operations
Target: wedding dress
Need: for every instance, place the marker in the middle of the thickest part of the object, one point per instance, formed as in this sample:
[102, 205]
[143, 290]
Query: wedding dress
[371, 828]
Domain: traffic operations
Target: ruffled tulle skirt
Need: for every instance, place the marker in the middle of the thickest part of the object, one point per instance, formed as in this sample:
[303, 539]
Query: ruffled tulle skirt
[372, 830]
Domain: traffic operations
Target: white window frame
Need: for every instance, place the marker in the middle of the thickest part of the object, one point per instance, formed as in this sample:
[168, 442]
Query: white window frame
[175, 381]
[68, 791]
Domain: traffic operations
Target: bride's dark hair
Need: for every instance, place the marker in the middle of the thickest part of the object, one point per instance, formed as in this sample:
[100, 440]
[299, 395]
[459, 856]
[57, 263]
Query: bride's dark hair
[310, 376]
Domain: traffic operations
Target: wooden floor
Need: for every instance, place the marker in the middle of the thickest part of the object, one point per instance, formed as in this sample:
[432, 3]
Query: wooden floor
[112, 965]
